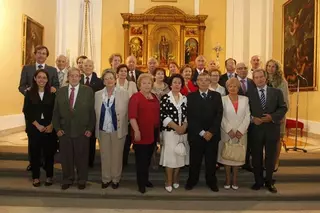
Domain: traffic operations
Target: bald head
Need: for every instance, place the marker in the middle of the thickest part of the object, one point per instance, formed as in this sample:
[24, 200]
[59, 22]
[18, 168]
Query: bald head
[200, 62]
[152, 64]
[88, 67]
[62, 62]
[255, 62]
[242, 70]
[131, 62]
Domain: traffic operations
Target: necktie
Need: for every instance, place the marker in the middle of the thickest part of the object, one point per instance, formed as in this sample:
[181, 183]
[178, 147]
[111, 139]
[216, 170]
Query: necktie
[71, 98]
[243, 86]
[40, 66]
[230, 76]
[132, 78]
[87, 81]
[204, 95]
[263, 99]
[60, 76]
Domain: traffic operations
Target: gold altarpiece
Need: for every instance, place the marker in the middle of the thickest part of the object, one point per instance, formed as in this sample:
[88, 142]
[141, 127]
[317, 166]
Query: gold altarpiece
[164, 32]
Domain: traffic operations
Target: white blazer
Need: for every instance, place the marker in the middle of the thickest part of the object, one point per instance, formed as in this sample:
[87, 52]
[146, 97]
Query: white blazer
[130, 86]
[234, 121]
[121, 108]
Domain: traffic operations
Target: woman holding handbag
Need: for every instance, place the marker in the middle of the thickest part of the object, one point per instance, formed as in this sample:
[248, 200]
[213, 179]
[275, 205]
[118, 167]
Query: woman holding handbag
[234, 125]
[175, 150]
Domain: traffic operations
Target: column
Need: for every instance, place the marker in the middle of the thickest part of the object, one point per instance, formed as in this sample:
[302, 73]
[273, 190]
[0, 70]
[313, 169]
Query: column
[145, 44]
[126, 39]
[201, 39]
[182, 28]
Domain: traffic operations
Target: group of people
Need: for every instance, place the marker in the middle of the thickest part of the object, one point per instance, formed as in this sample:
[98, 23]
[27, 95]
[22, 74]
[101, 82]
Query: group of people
[191, 113]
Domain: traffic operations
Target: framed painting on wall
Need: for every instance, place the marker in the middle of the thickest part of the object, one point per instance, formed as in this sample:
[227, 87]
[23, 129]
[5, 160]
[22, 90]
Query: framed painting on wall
[32, 36]
[299, 52]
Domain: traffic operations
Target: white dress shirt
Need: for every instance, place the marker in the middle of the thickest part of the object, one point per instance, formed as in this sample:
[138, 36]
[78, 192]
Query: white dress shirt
[265, 91]
[76, 90]
[232, 75]
[250, 74]
[199, 71]
[220, 89]
[133, 72]
[85, 78]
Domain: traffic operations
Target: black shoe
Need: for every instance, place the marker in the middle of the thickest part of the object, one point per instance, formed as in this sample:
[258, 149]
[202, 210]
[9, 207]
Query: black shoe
[142, 190]
[149, 184]
[105, 185]
[29, 168]
[81, 186]
[256, 187]
[188, 187]
[36, 184]
[214, 188]
[65, 186]
[271, 188]
[115, 185]
[48, 183]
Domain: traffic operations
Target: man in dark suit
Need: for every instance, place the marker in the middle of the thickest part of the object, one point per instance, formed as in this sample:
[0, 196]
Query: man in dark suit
[267, 108]
[200, 68]
[230, 65]
[74, 121]
[133, 73]
[41, 53]
[90, 79]
[204, 120]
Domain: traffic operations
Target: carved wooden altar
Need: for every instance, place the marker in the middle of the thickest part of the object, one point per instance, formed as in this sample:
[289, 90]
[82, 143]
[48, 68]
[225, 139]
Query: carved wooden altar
[164, 32]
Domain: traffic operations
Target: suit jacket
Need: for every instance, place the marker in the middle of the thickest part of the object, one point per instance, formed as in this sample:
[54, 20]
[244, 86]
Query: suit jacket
[129, 86]
[121, 108]
[74, 122]
[34, 107]
[96, 83]
[250, 86]
[195, 76]
[275, 106]
[223, 79]
[28, 72]
[137, 72]
[204, 114]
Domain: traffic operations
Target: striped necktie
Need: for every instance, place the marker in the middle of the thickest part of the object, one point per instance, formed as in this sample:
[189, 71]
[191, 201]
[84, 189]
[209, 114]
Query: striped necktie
[263, 99]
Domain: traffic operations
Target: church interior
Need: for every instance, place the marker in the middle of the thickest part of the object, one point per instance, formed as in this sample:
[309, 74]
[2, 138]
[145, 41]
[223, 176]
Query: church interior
[168, 30]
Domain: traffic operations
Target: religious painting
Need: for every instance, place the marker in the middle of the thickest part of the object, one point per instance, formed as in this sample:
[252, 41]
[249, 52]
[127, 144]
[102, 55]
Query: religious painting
[136, 30]
[191, 32]
[32, 36]
[300, 43]
[136, 49]
[191, 51]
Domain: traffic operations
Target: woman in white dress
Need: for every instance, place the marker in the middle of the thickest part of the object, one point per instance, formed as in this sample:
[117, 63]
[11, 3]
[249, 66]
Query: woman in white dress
[173, 113]
[234, 125]
[215, 86]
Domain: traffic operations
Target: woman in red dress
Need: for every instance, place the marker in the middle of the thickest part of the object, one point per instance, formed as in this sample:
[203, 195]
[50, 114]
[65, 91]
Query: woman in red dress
[186, 72]
[144, 115]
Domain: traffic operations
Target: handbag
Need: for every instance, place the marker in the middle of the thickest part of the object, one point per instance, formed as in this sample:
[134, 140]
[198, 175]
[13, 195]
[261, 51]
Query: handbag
[180, 148]
[233, 151]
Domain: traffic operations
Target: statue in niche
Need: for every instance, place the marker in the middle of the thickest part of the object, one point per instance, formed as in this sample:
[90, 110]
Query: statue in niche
[191, 51]
[164, 50]
[136, 49]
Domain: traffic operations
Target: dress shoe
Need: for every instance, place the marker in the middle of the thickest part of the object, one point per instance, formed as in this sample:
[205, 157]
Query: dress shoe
[149, 184]
[271, 188]
[214, 188]
[142, 190]
[36, 183]
[81, 186]
[235, 187]
[176, 185]
[256, 186]
[168, 188]
[115, 185]
[188, 187]
[29, 168]
[65, 186]
[226, 187]
[105, 185]
[48, 182]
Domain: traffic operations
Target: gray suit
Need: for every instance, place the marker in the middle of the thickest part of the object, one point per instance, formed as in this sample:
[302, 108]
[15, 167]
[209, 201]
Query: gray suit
[28, 72]
[267, 134]
[74, 145]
